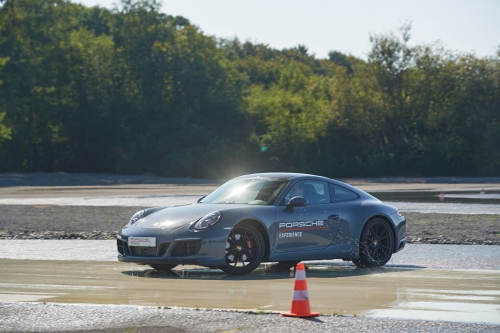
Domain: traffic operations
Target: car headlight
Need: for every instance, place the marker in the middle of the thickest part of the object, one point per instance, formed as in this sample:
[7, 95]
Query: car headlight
[137, 216]
[208, 220]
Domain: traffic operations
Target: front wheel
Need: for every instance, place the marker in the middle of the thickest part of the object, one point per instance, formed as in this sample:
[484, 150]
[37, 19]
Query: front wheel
[376, 244]
[245, 249]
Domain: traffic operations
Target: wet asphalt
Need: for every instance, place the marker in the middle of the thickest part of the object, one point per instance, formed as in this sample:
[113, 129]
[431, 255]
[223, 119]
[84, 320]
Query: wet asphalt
[408, 292]
[427, 255]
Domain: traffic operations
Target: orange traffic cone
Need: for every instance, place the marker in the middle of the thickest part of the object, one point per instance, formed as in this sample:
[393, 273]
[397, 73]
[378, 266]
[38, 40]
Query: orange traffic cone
[300, 302]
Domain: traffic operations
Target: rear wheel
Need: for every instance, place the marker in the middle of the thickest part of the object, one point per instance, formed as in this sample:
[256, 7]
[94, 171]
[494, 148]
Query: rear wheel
[163, 267]
[245, 249]
[376, 244]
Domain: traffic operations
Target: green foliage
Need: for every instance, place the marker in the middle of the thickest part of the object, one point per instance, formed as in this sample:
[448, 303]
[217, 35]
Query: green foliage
[4, 130]
[341, 60]
[290, 116]
[132, 90]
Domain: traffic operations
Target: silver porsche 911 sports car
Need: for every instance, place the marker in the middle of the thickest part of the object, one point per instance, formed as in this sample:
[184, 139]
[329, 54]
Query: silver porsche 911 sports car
[276, 217]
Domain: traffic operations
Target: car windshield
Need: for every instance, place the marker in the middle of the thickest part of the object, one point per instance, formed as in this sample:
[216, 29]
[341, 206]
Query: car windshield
[255, 191]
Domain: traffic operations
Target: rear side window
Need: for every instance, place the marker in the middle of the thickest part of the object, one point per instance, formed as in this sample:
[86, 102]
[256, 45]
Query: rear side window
[339, 194]
[315, 192]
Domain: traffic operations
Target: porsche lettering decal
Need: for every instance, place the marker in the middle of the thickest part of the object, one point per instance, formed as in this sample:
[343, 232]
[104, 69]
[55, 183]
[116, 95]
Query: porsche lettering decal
[303, 225]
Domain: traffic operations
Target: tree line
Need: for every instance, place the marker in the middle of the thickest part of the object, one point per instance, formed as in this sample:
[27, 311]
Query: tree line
[132, 90]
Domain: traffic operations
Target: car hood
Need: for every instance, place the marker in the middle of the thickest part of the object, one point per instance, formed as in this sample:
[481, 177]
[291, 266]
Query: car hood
[173, 218]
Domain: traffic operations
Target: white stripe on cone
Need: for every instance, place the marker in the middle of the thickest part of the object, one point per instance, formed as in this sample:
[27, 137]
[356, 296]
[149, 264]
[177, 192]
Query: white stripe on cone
[300, 274]
[300, 295]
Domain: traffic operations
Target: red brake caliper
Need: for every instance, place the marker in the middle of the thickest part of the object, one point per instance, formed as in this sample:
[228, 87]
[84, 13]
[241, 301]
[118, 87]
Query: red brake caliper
[249, 245]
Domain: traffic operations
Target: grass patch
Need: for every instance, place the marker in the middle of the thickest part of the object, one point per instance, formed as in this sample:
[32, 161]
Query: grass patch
[337, 314]
[130, 330]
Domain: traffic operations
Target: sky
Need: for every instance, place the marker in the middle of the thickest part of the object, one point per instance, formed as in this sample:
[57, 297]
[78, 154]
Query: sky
[465, 26]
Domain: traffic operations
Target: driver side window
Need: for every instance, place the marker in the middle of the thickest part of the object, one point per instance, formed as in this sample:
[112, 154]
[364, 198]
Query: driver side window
[315, 192]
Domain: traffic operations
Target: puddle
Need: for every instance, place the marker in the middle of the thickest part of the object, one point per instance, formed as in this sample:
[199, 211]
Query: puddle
[125, 200]
[19, 297]
[449, 311]
[445, 208]
[490, 197]
[393, 291]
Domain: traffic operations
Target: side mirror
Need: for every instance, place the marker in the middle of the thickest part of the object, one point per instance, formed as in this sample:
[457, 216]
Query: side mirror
[297, 202]
[199, 200]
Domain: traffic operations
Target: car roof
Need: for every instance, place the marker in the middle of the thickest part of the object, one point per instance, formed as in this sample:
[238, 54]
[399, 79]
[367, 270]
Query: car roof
[290, 176]
[284, 175]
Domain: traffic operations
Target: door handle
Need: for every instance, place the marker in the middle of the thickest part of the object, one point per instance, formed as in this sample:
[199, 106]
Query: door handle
[334, 217]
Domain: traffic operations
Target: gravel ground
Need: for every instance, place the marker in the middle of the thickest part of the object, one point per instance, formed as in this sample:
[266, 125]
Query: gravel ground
[63, 222]
[23, 317]
[425, 255]
[84, 222]
[432, 228]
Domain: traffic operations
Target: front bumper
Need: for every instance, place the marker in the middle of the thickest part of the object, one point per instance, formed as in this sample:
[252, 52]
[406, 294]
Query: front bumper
[208, 250]
[400, 224]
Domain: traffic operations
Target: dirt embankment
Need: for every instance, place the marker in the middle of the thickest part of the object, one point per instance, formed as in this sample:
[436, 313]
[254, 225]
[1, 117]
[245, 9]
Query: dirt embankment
[63, 222]
[72, 222]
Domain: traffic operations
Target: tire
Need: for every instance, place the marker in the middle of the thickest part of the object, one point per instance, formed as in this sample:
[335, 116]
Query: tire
[245, 250]
[376, 244]
[163, 267]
